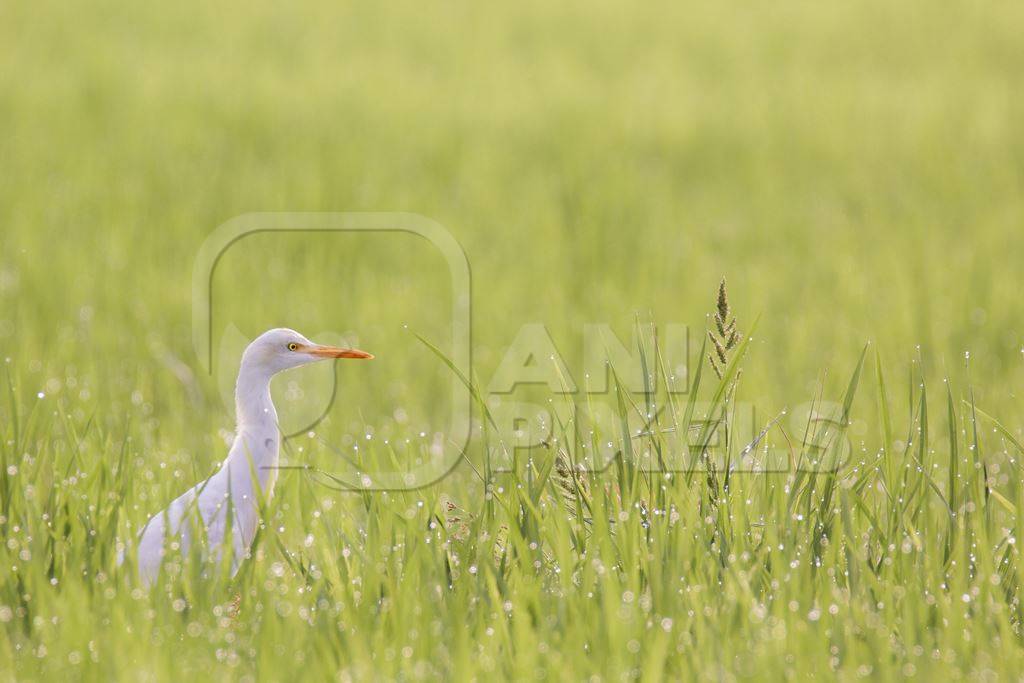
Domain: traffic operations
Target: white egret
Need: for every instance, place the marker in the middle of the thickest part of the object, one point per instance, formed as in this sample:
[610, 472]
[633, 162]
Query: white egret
[247, 475]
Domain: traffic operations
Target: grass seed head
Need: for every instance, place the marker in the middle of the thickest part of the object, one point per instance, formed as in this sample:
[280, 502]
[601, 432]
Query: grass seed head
[728, 336]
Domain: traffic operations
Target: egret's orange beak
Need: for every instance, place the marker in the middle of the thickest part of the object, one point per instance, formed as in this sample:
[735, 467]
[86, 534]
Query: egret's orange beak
[335, 352]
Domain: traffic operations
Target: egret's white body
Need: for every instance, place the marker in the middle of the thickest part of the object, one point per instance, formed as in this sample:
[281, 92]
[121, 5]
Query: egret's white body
[247, 475]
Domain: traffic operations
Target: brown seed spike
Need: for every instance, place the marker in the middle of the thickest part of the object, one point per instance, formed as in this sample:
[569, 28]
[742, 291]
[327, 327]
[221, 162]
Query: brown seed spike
[723, 302]
[727, 336]
[714, 366]
[718, 347]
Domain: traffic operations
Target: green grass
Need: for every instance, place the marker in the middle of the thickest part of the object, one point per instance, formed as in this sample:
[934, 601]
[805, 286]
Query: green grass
[889, 566]
[854, 171]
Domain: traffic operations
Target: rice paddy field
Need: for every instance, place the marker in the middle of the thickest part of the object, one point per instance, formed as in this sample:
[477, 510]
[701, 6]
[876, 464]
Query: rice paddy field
[835, 492]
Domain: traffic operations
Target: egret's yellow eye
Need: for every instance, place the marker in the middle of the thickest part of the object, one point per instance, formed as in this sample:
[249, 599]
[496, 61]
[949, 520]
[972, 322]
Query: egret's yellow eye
[293, 347]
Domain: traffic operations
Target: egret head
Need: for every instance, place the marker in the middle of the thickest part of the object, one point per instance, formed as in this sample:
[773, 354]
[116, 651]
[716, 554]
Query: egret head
[280, 349]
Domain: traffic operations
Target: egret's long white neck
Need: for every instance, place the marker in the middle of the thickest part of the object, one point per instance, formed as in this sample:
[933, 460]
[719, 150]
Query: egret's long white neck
[257, 438]
[253, 406]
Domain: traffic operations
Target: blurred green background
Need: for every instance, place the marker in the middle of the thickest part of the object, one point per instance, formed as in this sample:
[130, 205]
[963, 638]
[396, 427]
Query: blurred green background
[855, 171]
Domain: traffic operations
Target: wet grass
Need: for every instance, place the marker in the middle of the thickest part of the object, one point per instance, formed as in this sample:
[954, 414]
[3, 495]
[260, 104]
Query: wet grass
[887, 563]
